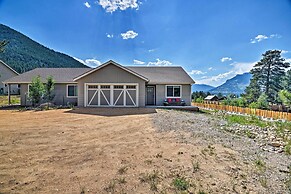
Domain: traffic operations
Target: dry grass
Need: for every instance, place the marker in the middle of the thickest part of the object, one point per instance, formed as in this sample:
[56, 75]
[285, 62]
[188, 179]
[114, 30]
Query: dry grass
[15, 99]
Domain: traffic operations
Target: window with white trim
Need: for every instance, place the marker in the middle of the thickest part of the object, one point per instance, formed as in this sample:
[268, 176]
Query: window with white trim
[173, 91]
[72, 90]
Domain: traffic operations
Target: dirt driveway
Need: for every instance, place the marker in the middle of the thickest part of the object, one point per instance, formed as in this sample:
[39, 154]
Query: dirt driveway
[111, 151]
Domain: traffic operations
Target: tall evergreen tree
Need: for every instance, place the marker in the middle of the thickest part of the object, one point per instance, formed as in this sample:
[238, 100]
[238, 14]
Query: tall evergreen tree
[49, 88]
[268, 74]
[287, 81]
[253, 91]
[36, 90]
[3, 43]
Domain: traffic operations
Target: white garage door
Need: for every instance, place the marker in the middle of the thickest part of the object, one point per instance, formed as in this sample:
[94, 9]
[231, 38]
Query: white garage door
[111, 95]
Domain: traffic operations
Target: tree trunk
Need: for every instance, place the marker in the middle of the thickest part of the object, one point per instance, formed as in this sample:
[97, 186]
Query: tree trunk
[268, 78]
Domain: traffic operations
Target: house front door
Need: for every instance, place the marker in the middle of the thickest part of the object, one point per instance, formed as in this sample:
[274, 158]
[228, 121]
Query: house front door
[150, 91]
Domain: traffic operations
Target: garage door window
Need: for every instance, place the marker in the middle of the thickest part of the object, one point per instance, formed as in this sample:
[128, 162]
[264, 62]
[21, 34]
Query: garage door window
[130, 87]
[105, 86]
[173, 91]
[72, 91]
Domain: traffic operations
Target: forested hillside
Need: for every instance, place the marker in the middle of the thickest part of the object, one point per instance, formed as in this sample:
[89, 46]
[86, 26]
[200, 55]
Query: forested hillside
[235, 85]
[24, 54]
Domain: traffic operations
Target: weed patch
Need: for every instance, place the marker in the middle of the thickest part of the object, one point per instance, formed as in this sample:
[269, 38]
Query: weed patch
[122, 170]
[260, 164]
[287, 148]
[181, 184]
[151, 178]
[246, 120]
[110, 188]
[121, 180]
[263, 181]
[195, 166]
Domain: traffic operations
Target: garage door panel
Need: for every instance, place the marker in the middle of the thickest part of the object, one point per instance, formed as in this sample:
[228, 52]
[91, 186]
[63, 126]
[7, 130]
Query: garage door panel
[111, 95]
[105, 97]
[131, 98]
[92, 97]
[118, 97]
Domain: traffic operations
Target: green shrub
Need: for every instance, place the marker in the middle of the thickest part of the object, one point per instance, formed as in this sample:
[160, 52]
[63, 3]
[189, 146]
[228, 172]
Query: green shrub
[181, 183]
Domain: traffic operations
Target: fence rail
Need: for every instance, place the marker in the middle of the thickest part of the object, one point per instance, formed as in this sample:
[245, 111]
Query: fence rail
[249, 111]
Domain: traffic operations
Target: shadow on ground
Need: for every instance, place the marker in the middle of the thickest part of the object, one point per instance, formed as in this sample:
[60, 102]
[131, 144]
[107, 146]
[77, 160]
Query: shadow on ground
[112, 111]
[10, 107]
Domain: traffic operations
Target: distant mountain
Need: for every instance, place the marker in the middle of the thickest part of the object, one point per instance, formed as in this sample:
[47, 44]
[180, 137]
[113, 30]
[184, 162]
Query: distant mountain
[235, 85]
[24, 54]
[201, 87]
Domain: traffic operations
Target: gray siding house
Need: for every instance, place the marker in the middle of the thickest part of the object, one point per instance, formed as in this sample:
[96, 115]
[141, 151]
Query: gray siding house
[7, 72]
[111, 85]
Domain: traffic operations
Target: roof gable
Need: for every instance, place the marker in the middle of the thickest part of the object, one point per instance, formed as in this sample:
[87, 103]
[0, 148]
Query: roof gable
[115, 64]
[10, 68]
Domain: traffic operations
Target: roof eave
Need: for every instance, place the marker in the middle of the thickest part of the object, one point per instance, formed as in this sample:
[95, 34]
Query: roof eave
[9, 67]
[26, 82]
[114, 63]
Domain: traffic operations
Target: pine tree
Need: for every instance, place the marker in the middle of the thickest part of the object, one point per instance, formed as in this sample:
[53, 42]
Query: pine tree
[36, 90]
[49, 88]
[3, 43]
[268, 75]
[287, 81]
[253, 91]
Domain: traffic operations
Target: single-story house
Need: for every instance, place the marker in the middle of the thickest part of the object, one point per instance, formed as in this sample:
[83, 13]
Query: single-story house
[211, 98]
[111, 84]
[7, 72]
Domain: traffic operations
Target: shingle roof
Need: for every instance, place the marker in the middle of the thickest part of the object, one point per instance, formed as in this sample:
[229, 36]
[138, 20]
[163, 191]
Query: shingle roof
[210, 97]
[163, 75]
[155, 75]
[2, 62]
[60, 75]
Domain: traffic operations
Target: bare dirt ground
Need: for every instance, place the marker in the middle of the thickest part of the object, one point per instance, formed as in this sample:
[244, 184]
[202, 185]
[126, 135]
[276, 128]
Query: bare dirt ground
[124, 151]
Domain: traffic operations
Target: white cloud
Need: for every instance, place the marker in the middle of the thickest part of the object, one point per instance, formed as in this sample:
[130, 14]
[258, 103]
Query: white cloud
[275, 36]
[215, 80]
[129, 34]
[284, 52]
[109, 35]
[262, 37]
[236, 68]
[223, 59]
[152, 50]
[113, 5]
[196, 72]
[288, 60]
[89, 62]
[87, 4]
[242, 67]
[211, 69]
[137, 62]
[160, 63]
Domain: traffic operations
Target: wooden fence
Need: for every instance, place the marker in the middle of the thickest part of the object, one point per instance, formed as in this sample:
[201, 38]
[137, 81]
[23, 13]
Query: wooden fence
[249, 111]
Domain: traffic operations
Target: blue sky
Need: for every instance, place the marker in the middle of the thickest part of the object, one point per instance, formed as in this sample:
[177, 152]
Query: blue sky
[213, 40]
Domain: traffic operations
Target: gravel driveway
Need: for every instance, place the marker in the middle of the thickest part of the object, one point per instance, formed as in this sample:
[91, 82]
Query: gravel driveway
[206, 129]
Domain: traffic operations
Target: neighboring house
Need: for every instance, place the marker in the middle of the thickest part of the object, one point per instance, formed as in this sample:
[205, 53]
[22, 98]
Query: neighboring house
[211, 98]
[7, 72]
[111, 84]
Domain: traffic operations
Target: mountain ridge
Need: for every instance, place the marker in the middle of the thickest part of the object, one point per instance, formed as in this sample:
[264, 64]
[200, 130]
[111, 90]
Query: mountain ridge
[201, 87]
[235, 85]
[24, 54]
